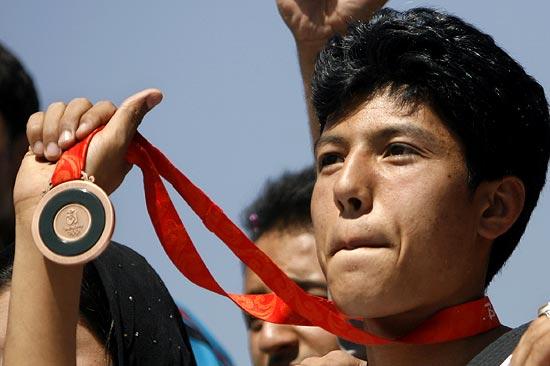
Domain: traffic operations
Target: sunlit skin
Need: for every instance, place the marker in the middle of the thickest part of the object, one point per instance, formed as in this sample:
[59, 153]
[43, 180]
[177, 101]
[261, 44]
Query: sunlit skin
[272, 344]
[400, 235]
[89, 350]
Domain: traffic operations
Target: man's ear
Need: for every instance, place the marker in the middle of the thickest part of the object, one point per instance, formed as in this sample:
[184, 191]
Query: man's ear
[503, 202]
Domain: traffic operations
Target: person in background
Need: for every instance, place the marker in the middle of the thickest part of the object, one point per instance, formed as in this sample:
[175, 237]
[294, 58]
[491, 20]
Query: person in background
[18, 100]
[279, 222]
[126, 315]
[205, 346]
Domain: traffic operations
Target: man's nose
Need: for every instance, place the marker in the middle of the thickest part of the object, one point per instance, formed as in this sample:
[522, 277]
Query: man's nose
[353, 187]
[278, 339]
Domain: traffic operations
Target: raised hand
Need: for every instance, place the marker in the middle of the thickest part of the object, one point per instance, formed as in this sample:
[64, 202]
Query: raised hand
[44, 296]
[534, 347]
[62, 125]
[314, 21]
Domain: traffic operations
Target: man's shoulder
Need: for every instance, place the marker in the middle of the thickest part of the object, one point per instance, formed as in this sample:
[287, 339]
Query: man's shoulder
[498, 351]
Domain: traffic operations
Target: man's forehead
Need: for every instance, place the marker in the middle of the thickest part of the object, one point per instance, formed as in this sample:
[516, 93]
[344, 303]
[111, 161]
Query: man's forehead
[385, 118]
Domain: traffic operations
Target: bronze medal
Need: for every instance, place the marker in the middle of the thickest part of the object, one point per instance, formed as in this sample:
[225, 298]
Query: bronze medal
[73, 223]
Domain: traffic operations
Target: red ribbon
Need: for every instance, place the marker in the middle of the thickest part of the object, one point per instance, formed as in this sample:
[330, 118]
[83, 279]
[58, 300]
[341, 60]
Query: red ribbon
[288, 304]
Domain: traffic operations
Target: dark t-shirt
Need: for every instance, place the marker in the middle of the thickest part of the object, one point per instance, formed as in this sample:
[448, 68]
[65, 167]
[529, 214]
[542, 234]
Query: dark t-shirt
[498, 351]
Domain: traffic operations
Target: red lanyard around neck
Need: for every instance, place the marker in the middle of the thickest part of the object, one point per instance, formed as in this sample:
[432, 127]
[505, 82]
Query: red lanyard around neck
[288, 304]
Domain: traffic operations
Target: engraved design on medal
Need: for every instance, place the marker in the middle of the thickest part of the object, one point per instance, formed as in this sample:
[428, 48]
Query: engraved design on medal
[72, 222]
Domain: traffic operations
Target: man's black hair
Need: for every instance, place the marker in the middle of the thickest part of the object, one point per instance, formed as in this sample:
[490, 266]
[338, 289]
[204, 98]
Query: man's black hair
[421, 56]
[18, 99]
[284, 203]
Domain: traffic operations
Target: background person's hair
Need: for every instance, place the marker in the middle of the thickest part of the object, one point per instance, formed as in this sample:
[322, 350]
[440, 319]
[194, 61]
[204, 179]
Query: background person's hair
[18, 99]
[282, 204]
[421, 56]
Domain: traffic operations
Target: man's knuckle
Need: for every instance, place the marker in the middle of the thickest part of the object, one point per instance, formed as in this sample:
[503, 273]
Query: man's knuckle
[106, 104]
[81, 101]
[56, 105]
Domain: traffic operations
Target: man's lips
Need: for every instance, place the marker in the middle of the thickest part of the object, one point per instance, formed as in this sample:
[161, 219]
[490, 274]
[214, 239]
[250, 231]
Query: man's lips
[355, 243]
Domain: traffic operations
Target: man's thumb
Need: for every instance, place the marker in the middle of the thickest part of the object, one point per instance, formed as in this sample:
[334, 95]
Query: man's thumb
[128, 116]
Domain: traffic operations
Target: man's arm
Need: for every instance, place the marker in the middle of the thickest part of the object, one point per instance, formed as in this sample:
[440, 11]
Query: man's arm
[44, 304]
[312, 23]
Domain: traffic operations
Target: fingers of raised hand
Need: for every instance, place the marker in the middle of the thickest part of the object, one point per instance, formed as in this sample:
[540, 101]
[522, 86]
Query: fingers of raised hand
[534, 347]
[43, 132]
[99, 114]
[69, 121]
[106, 154]
[34, 133]
[59, 128]
[334, 358]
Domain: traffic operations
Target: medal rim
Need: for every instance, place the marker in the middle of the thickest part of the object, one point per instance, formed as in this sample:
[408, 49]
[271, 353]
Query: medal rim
[104, 238]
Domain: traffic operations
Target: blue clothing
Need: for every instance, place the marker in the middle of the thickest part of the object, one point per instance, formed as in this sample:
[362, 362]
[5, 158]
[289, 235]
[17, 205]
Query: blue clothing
[206, 349]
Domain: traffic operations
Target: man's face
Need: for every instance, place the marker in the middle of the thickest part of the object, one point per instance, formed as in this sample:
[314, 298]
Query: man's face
[395, 221]
[273, 344]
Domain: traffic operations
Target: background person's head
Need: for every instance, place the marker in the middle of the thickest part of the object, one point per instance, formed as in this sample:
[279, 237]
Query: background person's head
[18, 100]
[279, 222]
[95, 338]
[434, 151]
[127, 316]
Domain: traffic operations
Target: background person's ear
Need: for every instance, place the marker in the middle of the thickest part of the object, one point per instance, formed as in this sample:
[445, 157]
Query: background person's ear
[504, 201]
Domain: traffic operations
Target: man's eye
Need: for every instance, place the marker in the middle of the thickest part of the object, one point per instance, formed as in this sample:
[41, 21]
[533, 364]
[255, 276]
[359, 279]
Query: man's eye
[329, 159]
[253, 324]
[399, 150]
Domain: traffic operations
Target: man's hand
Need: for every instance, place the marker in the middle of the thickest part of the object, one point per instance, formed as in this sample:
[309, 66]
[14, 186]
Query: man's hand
[334, 358]
[47, 136]
[315, 21]
[534, 347]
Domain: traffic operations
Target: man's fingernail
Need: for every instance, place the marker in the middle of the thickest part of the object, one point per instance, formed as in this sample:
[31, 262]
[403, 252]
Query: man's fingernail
[153, 100]
[52, 149]
[38, 148]
[65, 137]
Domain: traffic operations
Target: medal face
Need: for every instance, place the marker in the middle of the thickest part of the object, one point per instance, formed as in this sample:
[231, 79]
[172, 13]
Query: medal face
[73, 222]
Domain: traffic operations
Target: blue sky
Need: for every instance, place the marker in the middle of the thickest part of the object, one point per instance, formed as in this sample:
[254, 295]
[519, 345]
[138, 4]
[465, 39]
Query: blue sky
[233, 114]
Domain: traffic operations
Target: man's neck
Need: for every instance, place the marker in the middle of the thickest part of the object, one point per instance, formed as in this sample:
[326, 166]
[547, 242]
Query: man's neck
[452, 353]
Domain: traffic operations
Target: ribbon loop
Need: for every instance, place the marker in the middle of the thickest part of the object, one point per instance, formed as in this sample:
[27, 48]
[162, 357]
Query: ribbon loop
[288, 304]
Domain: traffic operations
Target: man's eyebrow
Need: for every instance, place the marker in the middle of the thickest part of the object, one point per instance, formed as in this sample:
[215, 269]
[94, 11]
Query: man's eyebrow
[408, 130]
[328, 139]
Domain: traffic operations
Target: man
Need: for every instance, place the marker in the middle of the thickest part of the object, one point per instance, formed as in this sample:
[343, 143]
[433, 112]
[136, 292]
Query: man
[423, 187]
[506, 198]
[279, 222]
[18, 100]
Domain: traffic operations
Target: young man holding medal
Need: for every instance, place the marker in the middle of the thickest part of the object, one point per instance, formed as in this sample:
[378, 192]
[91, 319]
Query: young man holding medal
[434, 149]
[312, 25]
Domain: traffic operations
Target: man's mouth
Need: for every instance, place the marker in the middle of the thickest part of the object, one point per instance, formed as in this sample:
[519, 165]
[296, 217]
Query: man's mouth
[356, 243]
